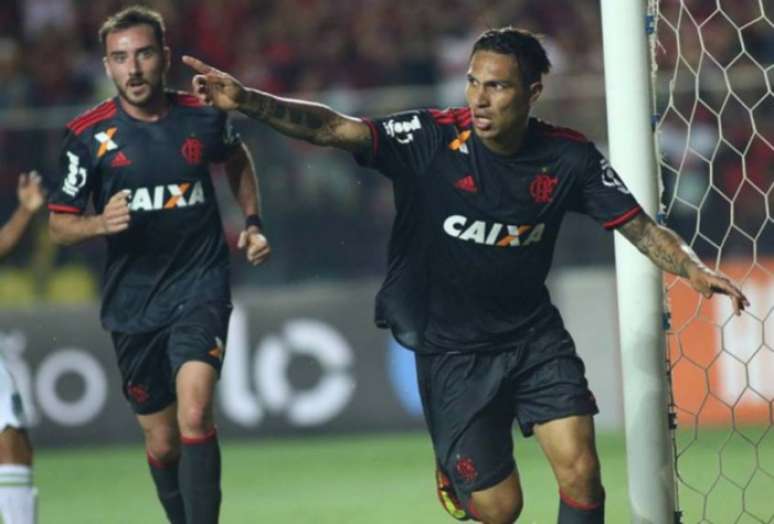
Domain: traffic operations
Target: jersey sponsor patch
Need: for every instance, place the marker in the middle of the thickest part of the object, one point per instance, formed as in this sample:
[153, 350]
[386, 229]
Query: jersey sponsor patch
[76, 175]
[167, 196]
[458, 144]
[402, 130]
[492, 234]
[610, 178]
[105, 139]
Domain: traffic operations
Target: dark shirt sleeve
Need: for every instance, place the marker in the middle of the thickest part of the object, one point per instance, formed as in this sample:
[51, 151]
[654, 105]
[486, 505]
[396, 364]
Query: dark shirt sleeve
[74, 180]
[230, 140]
[401, 144]
[603, 195]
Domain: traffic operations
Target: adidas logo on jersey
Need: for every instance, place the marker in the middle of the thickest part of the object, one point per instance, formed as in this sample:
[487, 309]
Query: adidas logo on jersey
[168, 196]
[494, 234]
[120, 160]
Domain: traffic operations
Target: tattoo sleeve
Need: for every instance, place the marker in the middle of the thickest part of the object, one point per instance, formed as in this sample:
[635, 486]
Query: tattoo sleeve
[315, 123]
[662, 245]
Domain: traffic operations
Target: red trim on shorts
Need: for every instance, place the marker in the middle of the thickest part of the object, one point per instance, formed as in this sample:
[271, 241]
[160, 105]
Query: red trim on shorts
[156, 463]
[578, 505]
[62, 208]
[193, 441]
[611, 224]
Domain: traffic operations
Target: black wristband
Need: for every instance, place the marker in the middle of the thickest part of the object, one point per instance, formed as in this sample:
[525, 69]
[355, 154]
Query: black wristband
[253, 220]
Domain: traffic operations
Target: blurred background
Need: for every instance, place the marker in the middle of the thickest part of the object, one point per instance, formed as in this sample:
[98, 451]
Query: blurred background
[304, 357]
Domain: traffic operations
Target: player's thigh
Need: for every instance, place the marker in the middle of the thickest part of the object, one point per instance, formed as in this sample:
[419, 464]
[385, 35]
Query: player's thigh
[146, 376]
[569, 444]
[549, 382]
[196, 352]
[469, 417]
[15, 446]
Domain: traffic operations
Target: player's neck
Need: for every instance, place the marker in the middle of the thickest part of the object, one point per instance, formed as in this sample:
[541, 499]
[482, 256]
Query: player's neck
[508, 143]
[156, 108]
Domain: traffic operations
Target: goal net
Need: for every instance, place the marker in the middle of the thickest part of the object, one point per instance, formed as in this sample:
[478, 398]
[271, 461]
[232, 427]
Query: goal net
[714, 124]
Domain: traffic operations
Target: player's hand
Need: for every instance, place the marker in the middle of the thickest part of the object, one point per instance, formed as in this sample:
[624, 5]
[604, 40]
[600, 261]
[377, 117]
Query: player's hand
[214, 87]
[115, 216]
[708, 282]
[255, 245]
[30, 192]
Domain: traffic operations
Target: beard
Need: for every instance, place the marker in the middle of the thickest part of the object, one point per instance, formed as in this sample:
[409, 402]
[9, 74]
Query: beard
[149, 94]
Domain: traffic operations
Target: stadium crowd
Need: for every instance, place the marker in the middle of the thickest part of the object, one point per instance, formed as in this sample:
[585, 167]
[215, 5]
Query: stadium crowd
[50, 58]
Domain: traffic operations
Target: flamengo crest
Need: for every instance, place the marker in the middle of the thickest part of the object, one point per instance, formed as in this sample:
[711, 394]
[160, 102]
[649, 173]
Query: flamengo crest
[192, 150]
[542, 188]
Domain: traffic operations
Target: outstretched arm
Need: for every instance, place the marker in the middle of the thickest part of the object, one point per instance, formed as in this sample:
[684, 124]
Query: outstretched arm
[315, 123]
[31, 197]
[670, 253]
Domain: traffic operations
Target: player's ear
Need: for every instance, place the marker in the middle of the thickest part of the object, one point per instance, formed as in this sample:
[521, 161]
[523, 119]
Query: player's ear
[535, 89]
[167, 58]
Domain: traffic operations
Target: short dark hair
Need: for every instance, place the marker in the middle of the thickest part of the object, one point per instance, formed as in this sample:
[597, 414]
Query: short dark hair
[133, 16]
[523, 45]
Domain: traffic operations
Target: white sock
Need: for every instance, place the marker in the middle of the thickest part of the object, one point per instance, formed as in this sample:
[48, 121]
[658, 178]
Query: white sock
[18, 496]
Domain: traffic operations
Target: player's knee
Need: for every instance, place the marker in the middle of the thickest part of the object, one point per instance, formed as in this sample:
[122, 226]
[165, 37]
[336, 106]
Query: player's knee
[500, 510]
[581, 477]
[195, 420]
[163, 443]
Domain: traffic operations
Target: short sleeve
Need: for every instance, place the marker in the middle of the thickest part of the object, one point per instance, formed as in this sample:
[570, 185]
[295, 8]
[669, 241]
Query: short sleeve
[603, 195]
[401, 143]
[74, 180]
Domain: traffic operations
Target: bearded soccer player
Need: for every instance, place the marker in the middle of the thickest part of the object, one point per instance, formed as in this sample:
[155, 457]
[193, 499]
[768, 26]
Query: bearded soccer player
[144, 158]
[480, 194]
[18, 496]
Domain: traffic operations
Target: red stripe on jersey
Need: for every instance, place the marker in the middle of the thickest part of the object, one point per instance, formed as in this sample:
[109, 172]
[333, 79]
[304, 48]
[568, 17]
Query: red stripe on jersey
[459, 116]
[610, 224]
[189, 441]
[564, 132]
[91, 117]
[187, 100]
[374, 137]
[62, 208]
[463, 116]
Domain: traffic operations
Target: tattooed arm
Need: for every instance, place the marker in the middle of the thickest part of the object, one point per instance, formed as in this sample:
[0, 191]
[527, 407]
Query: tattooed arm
[315, 123]
[670, 253]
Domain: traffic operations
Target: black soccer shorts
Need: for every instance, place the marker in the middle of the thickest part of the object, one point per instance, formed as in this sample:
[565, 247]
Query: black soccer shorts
[149, 362]
[471, 400]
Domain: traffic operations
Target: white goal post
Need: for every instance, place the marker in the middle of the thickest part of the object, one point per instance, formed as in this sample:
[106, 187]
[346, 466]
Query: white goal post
[650, 465]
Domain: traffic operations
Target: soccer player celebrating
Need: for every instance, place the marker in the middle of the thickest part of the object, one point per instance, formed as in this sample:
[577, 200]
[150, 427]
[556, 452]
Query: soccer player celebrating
[143, 158]
[18, 496]
[480, 194]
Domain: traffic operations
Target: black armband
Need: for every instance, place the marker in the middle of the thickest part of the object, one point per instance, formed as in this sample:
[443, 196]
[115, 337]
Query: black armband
[253, 220]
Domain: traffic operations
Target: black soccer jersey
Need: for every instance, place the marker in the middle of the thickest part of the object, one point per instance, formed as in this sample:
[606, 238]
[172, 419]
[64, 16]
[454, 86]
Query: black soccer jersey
[174, 250]
[475, 231]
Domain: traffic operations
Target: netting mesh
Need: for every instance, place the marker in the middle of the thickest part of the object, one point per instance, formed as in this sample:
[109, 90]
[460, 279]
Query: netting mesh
[714, 72]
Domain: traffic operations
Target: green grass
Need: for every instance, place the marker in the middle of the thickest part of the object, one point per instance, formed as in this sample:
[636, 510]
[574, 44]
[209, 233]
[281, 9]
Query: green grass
[358, 480]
